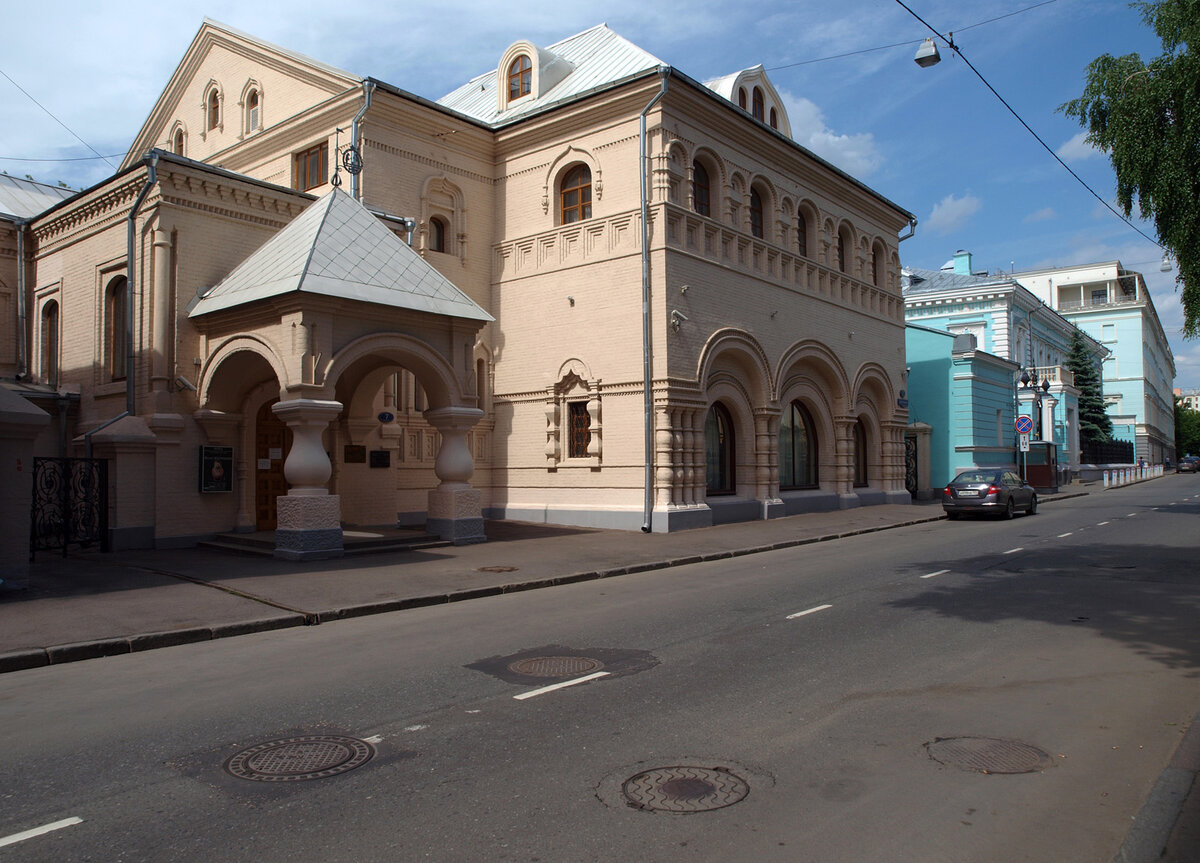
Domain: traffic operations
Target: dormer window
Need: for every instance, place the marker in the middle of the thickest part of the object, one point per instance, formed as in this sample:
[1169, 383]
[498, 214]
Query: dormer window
[774, 119]
[742, 98]
[759, 110]
[520, 77]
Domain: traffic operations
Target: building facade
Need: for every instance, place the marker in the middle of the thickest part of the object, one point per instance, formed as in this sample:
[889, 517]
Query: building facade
[583, 289]
[1009, 322]
[1113, 305]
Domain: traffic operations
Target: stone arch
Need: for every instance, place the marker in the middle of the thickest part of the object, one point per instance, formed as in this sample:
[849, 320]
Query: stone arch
[879, 265]
[737, 353]
[717, 182]
[810, 229]
[873, 385]
[570, 156]
[362, 357]
[236, 366]
[769, 195]
[444, 200]
[846, 248]
[810, 373]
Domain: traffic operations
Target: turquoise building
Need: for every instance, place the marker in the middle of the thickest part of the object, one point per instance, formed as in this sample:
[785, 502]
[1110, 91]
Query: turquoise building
[1011, 326]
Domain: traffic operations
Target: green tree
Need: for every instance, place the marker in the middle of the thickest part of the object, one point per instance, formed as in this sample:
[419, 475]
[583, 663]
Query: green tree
[1187, 430]
[1094, 422]
[1146, 117]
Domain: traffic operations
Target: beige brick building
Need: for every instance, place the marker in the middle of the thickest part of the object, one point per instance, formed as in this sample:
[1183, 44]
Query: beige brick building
[630, 300]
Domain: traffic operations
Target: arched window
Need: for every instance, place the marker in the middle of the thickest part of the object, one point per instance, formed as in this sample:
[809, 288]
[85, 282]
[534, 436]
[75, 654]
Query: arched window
[50, 343]
[177, 144]
[878, 267]
[756, 213]
[797, 449]
[844, 249]
[742, 98]
[253, 114]
[701, 191]
[214, 109]
[575, 195]
[759, 109]
[520, 77]
[802, 233]
[437, 234]
[774, 119]
[718, 447]
[860, 454]
[116, 304]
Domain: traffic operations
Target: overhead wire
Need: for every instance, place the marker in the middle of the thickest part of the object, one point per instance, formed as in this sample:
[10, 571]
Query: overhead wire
[55, 119]
[953, 47]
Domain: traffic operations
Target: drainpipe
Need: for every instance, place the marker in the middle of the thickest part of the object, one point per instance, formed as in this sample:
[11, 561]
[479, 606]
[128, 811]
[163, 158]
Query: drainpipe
[151, 179]
[22, 335]
[355, 135]
[912, 229]
[648, 397]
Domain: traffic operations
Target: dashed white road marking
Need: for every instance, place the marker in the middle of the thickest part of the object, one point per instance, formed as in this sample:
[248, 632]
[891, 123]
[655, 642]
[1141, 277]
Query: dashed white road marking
[1131, 515]
[39, 831]
[562, 685]
[1101, 523]
[373, 739]
[939, 572]
[1015, 550]
[1065, 535]
[808, 611]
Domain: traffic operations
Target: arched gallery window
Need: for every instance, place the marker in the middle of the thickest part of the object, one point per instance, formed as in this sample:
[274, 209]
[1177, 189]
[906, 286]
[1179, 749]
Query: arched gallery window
[797, 449]
[860, 454]
[575, 194]
[756, 214]
[718, 446]
[701, 190]
[802, 233]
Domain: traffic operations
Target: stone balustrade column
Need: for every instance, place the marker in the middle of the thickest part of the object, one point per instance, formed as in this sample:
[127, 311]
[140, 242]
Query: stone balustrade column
[455, 508]
[309, 517]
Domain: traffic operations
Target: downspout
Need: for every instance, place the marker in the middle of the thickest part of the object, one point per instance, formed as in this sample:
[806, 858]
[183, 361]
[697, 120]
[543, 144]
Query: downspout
[647, 396]
[151, 179]
[356, 136]
[912, 229]
[22, 334]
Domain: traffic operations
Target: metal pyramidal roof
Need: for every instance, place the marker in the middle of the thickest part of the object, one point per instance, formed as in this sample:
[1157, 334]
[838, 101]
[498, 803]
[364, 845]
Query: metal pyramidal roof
[26, 198]
[337, 248]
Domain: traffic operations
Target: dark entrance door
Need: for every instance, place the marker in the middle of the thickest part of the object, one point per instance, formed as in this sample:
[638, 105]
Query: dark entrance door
[272, 439]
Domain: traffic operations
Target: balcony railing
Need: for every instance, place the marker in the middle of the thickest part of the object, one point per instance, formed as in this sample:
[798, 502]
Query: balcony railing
[1054, 374]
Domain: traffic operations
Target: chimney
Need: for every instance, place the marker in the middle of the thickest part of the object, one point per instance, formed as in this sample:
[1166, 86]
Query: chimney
[962, 263]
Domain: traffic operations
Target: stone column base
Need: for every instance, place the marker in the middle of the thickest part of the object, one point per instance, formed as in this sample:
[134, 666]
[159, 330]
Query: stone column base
[310, 528]
[456, 515]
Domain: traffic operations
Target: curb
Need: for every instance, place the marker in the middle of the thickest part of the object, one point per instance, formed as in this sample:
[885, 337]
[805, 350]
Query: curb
[1150, 834]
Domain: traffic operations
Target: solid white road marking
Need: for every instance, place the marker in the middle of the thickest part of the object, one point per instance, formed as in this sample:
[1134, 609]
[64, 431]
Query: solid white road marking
[939, 572]
[1015, 550]
[808, 611]
[39, 831]
[555, 686]
[1065, 535]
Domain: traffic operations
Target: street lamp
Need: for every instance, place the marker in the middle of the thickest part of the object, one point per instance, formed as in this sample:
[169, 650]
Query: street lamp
[927, 54]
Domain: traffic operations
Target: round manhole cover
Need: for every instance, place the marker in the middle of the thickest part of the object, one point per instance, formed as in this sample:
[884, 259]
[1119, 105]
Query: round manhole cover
[296, 758]
[988, 754]
[555, 666]
[684, 789]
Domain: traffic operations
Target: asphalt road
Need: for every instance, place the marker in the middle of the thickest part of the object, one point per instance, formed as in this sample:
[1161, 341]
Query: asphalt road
[819, 681]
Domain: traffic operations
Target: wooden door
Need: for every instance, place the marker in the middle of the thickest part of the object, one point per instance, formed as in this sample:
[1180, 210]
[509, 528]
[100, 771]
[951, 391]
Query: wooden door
[272, 440]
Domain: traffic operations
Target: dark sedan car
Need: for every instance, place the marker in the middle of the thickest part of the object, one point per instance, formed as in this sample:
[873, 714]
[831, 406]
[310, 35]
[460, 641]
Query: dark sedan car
[1188, 464]
[997, 492]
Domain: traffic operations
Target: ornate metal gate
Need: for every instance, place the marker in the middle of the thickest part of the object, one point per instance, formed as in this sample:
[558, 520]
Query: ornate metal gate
[910, 464]
[70, 504]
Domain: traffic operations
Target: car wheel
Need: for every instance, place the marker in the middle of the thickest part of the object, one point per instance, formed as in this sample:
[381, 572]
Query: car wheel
[1010, 510]
[1033, 505]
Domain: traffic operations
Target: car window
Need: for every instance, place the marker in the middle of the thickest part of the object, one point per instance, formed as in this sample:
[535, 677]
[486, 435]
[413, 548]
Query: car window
[975, 476]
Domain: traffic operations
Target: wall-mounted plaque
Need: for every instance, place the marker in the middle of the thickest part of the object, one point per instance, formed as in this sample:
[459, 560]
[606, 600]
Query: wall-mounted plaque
[381, 458]
[354, 454]
[216, 469]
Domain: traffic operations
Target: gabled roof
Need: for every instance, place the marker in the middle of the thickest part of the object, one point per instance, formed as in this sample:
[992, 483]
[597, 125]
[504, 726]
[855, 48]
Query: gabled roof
[213, 33]
[337, 248]
[598, 57]
[24, 199]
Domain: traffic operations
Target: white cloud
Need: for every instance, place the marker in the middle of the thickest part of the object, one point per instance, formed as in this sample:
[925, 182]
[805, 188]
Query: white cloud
[857, 155]
[1045, 214]
[951, 213]
[1077, 149]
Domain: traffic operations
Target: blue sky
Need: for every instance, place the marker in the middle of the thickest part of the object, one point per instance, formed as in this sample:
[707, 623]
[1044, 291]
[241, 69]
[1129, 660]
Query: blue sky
[935, 141]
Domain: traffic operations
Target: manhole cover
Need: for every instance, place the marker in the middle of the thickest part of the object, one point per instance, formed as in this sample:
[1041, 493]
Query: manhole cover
[988, 754]
[296, 758]
[555, 666]
[684, 789]
[497, 569]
